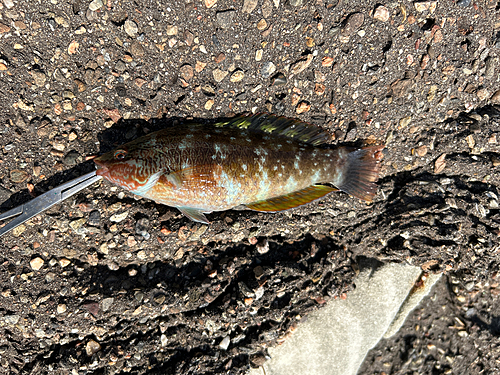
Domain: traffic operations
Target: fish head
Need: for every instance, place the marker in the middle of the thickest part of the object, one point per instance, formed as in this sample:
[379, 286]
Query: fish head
[130, 167]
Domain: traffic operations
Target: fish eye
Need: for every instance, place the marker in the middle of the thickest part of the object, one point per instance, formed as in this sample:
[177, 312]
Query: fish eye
[120, 154]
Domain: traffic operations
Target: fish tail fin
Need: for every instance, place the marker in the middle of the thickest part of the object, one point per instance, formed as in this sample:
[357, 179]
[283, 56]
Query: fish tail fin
[360, 172]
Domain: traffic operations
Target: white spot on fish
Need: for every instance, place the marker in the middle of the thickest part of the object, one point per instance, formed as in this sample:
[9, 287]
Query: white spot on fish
[257, 151]
[232, 138]
[288, 141]
[263, 159]
[264, 185]
[279, 145]
[207, 136]
[296, 164]
[275, 168]
[244, 166]
[316, 176]
[214, 156]
[297, 157]
[189, 135]
[248, 140]
[291, 184]
[280, 174]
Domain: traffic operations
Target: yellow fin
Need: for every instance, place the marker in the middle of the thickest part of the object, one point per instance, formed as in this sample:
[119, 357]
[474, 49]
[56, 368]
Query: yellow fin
[292, 200]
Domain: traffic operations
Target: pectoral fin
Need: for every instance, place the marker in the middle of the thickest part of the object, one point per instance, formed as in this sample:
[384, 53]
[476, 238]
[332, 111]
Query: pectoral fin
[292, 200]
[153, 179]
[194, 176]
[194, 214]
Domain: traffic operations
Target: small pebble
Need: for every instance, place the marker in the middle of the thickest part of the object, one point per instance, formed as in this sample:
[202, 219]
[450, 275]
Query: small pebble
[172, 30]
[94, 218]
[279, 79]
[116, 218]
[61, 309]
[237, 76]
[257, 360]
[8, 4]
[219, 75]
[186, 72]
[301, 65]
[71, 158]
[249, 6]
[106, 303]
[421, 151]
[353, 24]
[4, 28]
[17, 231]
[327, 61]
[130, 28]
[209, 104]
[64, 262]
[225, 18]
[77, 224]
[95, 5]
[483, 94]
[262, 24]
[199, 66]
[464, 3]
[381, 13]
[224, 344]
[303, 107]
[73, 47]
[163, 340]
[36, 263]
[267, 8]
[132, 272]
[11, 319]
[263, 246]
[141, 227]
[18, 176]
[422, 6]
[210, 3]
[495, 99]
[258, 55]
[92, 347]
[220, 58]
[267, 69]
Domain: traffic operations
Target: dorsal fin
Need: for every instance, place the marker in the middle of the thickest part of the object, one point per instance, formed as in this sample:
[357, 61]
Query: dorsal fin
[280, 126]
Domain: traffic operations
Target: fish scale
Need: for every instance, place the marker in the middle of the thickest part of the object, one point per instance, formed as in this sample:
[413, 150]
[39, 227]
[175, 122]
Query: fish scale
[265, 162]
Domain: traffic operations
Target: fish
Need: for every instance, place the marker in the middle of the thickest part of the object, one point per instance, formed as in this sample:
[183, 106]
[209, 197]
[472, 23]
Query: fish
[263, 162]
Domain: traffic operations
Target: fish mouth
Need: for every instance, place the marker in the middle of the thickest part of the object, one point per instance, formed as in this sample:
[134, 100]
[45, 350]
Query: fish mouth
[103, 171]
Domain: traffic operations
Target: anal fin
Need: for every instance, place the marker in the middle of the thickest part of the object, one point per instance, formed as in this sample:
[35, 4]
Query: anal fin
[292, 200]
[194, 214]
